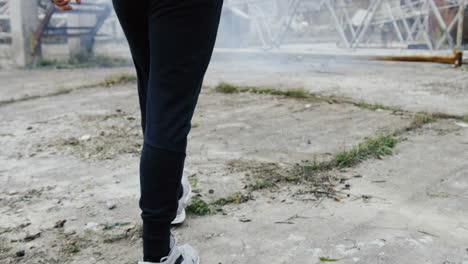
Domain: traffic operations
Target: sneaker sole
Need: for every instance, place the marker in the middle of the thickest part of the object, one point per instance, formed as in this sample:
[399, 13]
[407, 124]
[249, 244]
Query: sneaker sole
[189, 195]
[181, 218]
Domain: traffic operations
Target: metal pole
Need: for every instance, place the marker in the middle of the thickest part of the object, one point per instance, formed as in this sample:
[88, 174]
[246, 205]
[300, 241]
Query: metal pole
[338, 25]
[461, 16]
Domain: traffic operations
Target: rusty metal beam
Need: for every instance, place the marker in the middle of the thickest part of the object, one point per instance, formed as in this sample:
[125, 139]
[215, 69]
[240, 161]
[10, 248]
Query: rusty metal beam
[456, 58]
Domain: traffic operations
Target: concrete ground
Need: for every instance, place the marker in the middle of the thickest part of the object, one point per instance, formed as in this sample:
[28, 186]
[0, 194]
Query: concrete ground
[74, 157]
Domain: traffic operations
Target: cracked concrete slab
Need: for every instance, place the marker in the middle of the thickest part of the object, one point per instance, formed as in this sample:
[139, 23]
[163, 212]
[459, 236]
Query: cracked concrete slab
[57, 163]
[418, 214]
[411, 86]
[17, 84]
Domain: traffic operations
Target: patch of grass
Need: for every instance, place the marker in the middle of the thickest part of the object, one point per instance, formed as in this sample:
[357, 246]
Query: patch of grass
[376, 106]
[438, 195]
[8, 101]
[292, 178]
[371, 148]
[261, 184]
[295, 93]
[464, 118]
[420, 119]
[41, 63]
[99, 148]
[119, 79]
[83, 61]
[327, 259]
[62, 90]
[231, 88]
[301, 94]
[71, 248]
[193, 181]
[236, 198]
[199, 207]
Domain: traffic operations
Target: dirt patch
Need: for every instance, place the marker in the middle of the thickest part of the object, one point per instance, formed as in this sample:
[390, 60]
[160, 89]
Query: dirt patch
[55, 245]
[107, 137]
[273, 176]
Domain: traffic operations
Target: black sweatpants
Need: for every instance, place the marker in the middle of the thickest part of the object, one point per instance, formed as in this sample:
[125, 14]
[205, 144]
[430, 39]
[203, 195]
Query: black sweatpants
[171, 42]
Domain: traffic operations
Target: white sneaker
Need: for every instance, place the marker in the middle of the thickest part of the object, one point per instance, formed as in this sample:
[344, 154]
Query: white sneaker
[184, 254]
[183, 201]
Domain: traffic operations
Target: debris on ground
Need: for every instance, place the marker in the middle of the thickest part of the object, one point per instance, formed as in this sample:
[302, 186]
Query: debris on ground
[60, 223]
[20, 253]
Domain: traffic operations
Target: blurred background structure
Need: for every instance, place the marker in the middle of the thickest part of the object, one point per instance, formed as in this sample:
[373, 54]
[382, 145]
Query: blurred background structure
[31, 29]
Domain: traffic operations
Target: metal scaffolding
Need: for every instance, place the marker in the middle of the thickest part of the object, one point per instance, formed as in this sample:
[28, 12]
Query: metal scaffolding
[430, 24]
[405, 21]
[409, 20]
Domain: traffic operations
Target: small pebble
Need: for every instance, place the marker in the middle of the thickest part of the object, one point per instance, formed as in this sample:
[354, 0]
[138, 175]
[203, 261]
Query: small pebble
[85, 138]
[111, 205]
[92, 226]
[245, 219]
[60, 223]
[20, 253]
[211, 191]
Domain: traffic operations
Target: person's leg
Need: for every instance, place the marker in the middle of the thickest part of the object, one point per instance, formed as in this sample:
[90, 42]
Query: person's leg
[182, 35]
[134, 21]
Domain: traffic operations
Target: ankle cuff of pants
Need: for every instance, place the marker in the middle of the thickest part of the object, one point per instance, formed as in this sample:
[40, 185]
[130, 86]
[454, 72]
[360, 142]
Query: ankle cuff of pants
[156, 241]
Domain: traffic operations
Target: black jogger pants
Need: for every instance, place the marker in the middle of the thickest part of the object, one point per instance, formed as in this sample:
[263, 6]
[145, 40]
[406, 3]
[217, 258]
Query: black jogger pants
[171, 43]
